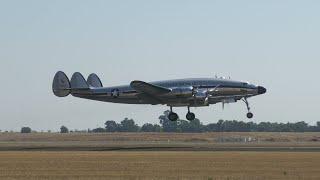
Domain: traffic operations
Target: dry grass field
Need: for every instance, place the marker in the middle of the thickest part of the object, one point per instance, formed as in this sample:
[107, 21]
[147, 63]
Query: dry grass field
[157, 156]
[160, 165]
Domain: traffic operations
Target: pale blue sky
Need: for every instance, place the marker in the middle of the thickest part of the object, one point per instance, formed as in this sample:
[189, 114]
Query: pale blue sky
[272, 43]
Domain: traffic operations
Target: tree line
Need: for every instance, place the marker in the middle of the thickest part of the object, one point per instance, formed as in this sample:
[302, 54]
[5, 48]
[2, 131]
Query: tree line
[195, 126]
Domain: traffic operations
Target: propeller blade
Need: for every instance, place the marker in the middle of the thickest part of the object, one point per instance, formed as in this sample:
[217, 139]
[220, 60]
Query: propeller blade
[206, 101]
[194, 92]
[214, 89]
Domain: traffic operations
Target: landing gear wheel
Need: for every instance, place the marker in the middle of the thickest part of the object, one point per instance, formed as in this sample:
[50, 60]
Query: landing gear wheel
[249, 115]
[190, 116]
[173, 116]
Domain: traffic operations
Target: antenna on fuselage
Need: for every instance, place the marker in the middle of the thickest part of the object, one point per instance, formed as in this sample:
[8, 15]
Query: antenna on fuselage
[222, 77]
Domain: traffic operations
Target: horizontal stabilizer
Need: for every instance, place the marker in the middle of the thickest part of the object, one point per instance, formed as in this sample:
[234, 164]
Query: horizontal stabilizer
[61, 84]
[94, 81]
[143, 87]
[78, 82]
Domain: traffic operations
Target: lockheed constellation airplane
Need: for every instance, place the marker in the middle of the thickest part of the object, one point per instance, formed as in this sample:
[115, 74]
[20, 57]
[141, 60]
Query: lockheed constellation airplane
[195, 92]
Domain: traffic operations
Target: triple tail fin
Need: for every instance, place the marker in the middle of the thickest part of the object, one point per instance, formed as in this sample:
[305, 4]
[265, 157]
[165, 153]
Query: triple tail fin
[78, 82]
[61, 86]
[94, 81]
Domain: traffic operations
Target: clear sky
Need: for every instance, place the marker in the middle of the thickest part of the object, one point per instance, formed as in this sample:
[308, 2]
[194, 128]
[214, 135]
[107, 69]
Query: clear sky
[272, 43]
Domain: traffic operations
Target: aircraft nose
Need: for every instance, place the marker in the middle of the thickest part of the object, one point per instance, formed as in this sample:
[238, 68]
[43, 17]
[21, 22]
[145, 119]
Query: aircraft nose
[261, 90]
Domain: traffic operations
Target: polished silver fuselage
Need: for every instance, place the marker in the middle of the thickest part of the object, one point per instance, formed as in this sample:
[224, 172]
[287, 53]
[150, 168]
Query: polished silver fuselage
[220, 90]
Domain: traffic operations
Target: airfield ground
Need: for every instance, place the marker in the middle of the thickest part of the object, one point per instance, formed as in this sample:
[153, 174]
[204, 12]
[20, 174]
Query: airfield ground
[220, 156]
[160, 165]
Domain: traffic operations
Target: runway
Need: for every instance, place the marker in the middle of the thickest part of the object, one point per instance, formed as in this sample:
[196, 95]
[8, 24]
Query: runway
[276, 142]
[160, 146]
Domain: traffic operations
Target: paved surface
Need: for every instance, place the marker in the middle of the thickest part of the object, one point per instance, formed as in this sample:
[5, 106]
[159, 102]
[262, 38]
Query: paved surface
[130, 146]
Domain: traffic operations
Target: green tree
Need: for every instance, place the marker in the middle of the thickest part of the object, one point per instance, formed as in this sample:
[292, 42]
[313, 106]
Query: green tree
[300, 126]
[157, 128]
[167, 125]
[64, 129]
[212, 127]
[25, 130]
[147, 127]
[150, 128]
[190, 126]
[221, 125]
[317, 128]
[98, 130]
[111, 126]
[128, 125]
[196, 126]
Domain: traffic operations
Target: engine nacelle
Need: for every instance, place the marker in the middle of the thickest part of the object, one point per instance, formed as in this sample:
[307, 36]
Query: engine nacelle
[201, 98]
[182, 91]
[200, 94]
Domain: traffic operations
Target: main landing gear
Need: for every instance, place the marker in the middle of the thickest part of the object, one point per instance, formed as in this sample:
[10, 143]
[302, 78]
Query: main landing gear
[249, 114]
[174, 116]
[190, 116]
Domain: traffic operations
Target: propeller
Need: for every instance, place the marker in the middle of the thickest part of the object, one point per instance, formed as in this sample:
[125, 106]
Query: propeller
[215, 89]
[206, 100]
[194, 92]
[206, 94]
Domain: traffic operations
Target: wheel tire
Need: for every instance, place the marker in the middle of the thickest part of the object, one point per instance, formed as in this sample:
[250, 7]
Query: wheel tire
[249, 115]
[173, 116]
[190, 116]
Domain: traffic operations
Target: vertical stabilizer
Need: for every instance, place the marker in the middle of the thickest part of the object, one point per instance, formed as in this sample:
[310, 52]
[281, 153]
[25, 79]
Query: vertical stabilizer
[61, 84]
[94, 81]
[78, 82]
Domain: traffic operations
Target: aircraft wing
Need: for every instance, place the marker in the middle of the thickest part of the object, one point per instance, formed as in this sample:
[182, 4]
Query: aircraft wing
[147, 88]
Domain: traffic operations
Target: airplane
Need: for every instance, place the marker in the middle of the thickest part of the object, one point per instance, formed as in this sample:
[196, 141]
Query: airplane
[193, 92]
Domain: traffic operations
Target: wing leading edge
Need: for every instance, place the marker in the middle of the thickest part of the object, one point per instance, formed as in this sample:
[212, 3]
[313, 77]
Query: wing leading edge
[147, 88]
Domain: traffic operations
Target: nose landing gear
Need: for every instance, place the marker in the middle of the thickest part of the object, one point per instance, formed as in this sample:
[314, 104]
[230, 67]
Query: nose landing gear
[249, 114]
